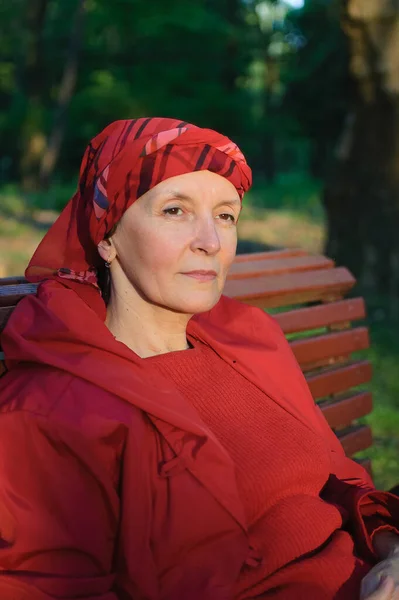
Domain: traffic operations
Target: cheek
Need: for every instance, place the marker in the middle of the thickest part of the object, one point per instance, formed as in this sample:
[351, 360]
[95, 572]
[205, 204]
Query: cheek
[151, 252]
[228, 243]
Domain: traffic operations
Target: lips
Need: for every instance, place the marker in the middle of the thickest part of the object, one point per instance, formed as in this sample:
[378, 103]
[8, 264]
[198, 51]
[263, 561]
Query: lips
[202, 275]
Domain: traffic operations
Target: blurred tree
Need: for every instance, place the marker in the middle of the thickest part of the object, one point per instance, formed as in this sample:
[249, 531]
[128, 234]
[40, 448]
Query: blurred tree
[177, 59]
[64, 96]
[31, 88]
[11, 93]
[39, 61]
[214, 62]
[317, 78]
[137, 58]
[362, 192]
[218, 63]
[269, 50]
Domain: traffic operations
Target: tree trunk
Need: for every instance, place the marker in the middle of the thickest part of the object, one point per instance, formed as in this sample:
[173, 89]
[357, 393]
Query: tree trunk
[362, 191]
[32, 136]
[272, 80]
[65, 93]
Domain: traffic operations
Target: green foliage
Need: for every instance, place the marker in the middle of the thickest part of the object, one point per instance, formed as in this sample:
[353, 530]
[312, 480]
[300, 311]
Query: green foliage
[293, 191]
[216, 64]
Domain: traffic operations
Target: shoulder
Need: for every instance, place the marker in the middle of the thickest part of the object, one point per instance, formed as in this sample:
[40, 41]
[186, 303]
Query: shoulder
[33, 388]
[60, 396]
[42, 407]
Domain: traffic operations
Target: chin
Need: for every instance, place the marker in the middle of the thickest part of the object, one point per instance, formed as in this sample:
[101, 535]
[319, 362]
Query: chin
[194, 306]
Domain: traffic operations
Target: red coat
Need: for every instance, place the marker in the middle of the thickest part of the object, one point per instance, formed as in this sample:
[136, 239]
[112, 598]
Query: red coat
[111, 486]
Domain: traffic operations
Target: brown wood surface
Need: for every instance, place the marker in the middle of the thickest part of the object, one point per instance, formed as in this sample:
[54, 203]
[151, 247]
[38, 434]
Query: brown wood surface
[323, 347]
[11, 294]
[355, 439]
[270, 291]
[268, 266]
[284, 252]
[12, 280]
[338, 380]
[366, 464]
[344, 409]
[322, 315]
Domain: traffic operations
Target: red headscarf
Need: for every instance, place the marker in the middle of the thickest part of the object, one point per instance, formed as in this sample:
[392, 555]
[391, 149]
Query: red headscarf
[120, 164]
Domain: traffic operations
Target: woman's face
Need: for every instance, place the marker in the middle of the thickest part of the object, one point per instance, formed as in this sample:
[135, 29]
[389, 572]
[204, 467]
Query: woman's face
[175, 244]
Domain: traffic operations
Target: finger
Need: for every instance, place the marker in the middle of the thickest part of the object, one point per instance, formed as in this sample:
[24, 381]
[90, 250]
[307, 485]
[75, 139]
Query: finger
[384, 591]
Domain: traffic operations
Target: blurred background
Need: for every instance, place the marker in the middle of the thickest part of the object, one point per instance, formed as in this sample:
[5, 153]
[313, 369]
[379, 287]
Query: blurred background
[308, 88]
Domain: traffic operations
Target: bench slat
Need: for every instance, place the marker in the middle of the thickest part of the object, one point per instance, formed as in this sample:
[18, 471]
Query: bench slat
[242, 270]
[11, 294]
[323, 315]
[330, 345]
[284, 252]
[12, 280]
[291, 288]
[356, 438]
[346, 408]
[337, 380]
[366, 464]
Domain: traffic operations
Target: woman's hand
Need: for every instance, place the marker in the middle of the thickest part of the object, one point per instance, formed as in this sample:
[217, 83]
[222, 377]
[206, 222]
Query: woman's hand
[384, 591]
[386, 545]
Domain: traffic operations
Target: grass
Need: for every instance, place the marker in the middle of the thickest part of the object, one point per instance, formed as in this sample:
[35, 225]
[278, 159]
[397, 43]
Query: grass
[287, 213]
[384, 420]
[294, 193]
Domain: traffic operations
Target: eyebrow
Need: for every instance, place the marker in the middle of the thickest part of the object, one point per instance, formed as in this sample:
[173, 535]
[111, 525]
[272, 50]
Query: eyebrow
[180, 196]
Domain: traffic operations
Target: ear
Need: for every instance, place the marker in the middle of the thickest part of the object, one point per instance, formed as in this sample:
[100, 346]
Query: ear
[106, 250]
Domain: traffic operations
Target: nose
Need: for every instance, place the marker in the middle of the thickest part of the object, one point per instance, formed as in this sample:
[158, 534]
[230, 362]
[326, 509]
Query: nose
[206, 237]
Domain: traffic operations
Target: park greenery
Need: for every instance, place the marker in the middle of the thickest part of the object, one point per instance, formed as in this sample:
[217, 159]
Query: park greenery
[310, 94]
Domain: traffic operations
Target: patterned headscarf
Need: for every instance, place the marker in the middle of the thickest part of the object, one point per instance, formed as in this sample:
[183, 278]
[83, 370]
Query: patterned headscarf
[120, 164]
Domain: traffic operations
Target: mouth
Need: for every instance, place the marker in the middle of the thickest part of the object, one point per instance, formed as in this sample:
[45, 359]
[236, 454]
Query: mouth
[202, 275]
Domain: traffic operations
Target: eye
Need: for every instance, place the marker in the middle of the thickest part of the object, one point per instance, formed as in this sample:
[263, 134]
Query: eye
[173, 211]
[227, 217]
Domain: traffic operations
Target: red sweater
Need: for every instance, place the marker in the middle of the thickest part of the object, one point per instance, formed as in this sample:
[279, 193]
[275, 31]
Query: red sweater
[281, 467]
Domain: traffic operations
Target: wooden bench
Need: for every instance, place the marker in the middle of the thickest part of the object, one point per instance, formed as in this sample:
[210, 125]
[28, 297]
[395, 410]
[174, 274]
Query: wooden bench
[306, 295]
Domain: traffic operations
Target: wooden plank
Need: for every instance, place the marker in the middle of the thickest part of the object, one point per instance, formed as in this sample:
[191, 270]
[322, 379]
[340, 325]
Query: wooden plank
[284, 252]
[12, 280]
[270, 291]
[5, 312]
[322, 315]
[366, 464]
[338, 380]
[322, 347]
[268, 266]
[355, 439]
[342, 410]
[11, 294]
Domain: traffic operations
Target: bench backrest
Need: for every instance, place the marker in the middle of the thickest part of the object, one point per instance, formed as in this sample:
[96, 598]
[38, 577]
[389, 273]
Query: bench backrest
[306, 295]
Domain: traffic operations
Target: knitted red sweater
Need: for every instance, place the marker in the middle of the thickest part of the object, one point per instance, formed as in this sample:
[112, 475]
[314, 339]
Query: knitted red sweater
[282, 466]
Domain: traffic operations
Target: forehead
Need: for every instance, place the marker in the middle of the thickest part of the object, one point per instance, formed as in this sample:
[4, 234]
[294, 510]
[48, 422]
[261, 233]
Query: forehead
[196, 183]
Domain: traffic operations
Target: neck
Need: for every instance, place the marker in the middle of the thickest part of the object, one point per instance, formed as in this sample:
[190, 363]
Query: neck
[145, 328]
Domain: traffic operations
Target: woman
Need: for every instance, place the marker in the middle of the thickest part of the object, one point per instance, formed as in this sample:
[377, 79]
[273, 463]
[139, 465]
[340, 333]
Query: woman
[158, 440]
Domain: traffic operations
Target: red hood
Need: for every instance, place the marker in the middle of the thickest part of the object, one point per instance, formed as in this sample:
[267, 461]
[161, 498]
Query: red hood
[56, 327]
